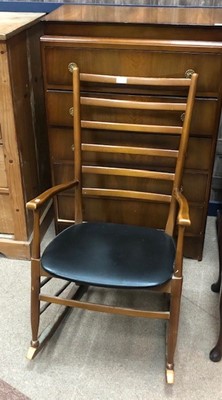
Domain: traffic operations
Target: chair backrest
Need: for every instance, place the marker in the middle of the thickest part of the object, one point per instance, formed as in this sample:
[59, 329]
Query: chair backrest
[128, 143]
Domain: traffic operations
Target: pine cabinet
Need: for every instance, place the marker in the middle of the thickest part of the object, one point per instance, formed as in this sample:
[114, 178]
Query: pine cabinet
[24, 169]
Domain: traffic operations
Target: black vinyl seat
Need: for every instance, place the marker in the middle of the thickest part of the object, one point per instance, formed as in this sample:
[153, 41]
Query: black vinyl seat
[91, 254]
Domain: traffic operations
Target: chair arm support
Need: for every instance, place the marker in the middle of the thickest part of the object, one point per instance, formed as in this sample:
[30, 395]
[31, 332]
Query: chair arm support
[183, 214]
[38, 201]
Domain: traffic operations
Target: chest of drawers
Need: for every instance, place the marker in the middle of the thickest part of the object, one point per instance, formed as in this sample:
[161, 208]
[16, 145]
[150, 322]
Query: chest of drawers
[153, 43]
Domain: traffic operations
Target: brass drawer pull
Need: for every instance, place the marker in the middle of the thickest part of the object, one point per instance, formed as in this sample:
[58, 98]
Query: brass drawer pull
[182, 117]
[71, 67]
[72, 147]
[189, 73]
[71, 111]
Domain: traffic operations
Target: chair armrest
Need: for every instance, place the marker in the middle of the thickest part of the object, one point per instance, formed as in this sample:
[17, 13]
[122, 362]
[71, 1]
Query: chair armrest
[48, 194]
[183, 217]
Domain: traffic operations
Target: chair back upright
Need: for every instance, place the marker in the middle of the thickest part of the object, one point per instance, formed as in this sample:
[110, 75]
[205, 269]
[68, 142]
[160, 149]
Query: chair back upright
[130, 147]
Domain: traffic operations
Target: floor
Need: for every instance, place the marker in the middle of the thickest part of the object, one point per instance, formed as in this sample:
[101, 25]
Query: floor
[107, 357]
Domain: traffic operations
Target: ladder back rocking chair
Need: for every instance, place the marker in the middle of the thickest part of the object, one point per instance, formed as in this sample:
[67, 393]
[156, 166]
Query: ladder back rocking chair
[106, 253]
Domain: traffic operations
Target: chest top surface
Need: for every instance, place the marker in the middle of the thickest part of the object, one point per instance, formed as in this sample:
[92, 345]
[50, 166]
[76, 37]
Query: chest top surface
[13, 22]
[137, 15]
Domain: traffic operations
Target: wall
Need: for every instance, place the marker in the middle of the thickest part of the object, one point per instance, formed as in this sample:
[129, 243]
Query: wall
[47, 5]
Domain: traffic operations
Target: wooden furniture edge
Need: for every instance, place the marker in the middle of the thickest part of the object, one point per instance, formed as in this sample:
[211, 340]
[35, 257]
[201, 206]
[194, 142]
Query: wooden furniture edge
[136, 14]
[17, 22]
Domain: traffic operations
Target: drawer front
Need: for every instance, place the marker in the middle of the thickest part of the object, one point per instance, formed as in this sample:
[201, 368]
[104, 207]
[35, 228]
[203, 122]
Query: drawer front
[195, 186]
[119, 211]
[131, 212]
[129, 61]
[3, 178]
[194, 193]
[61, 141]
[58, 106]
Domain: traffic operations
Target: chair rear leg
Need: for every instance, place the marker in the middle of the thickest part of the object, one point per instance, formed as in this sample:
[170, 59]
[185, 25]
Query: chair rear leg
[173, 328]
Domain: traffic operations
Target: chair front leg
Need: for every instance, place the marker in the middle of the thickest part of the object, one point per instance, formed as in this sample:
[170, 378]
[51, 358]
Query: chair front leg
[173, 324]
[35, 306]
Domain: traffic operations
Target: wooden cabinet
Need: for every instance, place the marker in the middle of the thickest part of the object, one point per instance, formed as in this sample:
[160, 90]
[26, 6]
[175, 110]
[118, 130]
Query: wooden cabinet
[135, 41]
[23, 140]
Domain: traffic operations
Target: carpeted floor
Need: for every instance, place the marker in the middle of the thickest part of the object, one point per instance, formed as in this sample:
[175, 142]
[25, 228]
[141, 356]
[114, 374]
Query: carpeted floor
[7, 392]
[96, 356]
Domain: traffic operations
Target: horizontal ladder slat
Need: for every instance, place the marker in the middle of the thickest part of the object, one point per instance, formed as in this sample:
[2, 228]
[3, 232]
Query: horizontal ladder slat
[128, 172]
[135, 80]
[115, 126]
[130, 194]
[137, 105]
[100, 148]
[4, 190]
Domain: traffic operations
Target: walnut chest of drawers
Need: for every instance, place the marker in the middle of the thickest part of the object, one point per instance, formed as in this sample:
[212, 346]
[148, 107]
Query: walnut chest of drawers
[135, 41]
[23, 139]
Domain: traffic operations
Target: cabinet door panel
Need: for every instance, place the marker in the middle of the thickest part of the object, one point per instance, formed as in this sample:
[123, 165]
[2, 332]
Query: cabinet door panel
[6, 215]
[3, 178]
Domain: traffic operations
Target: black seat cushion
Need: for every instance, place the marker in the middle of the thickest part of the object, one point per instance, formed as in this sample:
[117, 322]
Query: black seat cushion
[111, 255]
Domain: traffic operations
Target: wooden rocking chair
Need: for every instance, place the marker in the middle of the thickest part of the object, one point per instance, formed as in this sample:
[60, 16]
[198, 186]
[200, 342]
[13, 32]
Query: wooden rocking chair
[106, 253]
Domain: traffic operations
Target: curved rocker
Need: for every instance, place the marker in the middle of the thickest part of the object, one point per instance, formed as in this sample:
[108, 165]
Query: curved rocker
[216, 352]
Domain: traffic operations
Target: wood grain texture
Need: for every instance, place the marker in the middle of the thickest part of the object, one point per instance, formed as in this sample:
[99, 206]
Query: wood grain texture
[134, 15]
[12, 23]
[12, 162]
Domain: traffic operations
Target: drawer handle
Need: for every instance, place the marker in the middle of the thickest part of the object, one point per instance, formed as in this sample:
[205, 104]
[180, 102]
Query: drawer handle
[72, 147]
[71, 111]
[71, 67]
[182, 117]
[189, 73]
